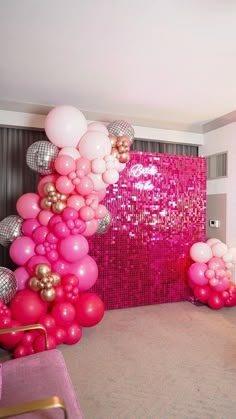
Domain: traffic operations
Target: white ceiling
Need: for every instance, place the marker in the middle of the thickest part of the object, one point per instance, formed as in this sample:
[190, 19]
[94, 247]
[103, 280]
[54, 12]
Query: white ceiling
[163, 63]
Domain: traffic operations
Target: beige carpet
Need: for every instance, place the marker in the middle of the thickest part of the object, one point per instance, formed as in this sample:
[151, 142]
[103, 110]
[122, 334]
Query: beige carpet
[169, 361]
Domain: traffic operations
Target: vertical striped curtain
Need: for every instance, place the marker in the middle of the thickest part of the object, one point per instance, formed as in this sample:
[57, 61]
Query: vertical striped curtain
[15, 176]
[165, 148]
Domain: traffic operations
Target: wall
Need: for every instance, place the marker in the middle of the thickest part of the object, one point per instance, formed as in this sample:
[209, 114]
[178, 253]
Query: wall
[220, 140]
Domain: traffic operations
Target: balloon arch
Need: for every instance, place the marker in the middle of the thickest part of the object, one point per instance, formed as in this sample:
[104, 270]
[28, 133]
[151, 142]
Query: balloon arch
[48, 238]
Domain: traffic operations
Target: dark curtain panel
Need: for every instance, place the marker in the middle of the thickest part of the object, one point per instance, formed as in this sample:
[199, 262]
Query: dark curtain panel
[15, 176]
[164, 148]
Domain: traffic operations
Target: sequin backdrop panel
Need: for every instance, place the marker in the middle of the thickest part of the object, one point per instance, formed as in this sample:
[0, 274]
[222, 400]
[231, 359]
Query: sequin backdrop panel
[158, 210]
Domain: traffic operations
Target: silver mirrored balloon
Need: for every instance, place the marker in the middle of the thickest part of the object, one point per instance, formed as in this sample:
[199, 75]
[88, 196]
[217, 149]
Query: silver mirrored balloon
[104, 223]
[119, 128]
[41, 156]
[10, 229]
[8, 285]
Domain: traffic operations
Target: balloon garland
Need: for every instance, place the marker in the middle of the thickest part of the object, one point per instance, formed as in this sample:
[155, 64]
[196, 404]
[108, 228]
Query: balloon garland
[210, 274]
[48, 237]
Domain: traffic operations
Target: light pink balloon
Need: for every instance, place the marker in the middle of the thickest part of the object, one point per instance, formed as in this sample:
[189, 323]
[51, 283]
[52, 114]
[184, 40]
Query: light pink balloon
[98, 126]
[209, 273]
[212, 241]
[94, 145]
[98, 182]
[28, 226]
[64, 164]
[73, 248]
[22, 277]
[91, 228]
[65, 125]
[111, 176]
[98, 166]
[219, 249]
[70, 151]
[21, 250]
[101, 211]
[87, 271]
[28, 205]
[101, 194]
[200, 252]
[76, 202]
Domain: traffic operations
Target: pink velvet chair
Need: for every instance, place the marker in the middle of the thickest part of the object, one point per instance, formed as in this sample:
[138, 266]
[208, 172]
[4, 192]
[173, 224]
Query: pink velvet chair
[37, 386]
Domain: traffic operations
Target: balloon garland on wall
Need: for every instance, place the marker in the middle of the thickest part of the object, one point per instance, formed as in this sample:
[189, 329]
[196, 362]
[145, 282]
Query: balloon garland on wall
[48, 238]
[210, 274]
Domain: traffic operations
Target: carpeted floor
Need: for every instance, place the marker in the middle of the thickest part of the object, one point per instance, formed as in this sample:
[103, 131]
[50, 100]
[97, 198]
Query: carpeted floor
[169, 361]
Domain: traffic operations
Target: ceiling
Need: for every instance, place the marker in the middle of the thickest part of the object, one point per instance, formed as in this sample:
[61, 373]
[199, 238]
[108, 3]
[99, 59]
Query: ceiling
[168, 64]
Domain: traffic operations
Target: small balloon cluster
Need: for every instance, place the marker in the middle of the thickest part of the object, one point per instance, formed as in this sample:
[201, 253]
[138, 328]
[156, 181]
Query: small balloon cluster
[48, 237]
[210, 274]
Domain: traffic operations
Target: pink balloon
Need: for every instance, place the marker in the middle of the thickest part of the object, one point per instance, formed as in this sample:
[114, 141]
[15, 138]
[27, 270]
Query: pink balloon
[64, 164]
[101, 211]
[63, 313]
[73, 334]
[83, 165]
[215, 301]
[85, 186]
[28, 226]
[216, 263]
[75, 201]
[44, 216]
[101, 194]
[61, 267]
[22, 277]
[98, 126]
[87, 271]
[86, 213]
[39, 234]
[64, 185]
[94, 145]
[200, 252]
[73, 248]
[65, 125]
[27, 307]
[209, 273]
[28, 205]
[196, 273]
[223, 284]
[44, 180]
[21, 250]
[91, 228]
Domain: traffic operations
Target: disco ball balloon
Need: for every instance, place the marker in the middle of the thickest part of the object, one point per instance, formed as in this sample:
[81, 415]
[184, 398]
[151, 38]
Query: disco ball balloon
[10, 229]
[104, 223]
[121, 128]
[8, 285]
[41, 156]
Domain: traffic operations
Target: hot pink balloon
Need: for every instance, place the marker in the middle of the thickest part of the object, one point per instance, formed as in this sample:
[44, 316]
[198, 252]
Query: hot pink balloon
[22, 278]
[94, 145]
[28, 205]
[200, 252]
[73, 248]
[34, 261]
[29, 226]
[21, 250]
[196, 273]
[87, 271]
[65, 125]
[61, 267]
[223, 285]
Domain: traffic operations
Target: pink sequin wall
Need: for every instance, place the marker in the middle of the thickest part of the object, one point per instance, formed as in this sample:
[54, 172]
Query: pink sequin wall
[158, 210]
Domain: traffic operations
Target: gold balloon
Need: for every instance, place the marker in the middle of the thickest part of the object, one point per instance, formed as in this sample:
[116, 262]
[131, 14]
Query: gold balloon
[48, 295]
[56, 278]
[42, 269]
[124, 158]
[113, 140]
[48, 187]
[34, 284]
[58, 207]
[45, 203]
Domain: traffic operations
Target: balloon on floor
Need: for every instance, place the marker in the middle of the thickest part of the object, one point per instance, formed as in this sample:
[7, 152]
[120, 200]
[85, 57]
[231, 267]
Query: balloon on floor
[48, 238]
[210, 274]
